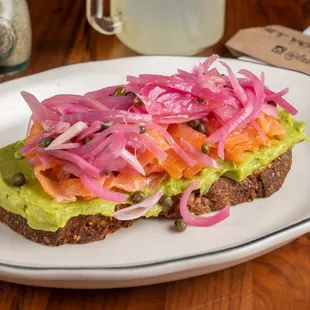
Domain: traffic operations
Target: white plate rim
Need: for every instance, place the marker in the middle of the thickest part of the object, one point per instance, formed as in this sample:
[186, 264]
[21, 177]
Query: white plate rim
[198, 58]
[164, 272]
[302, 225]
[296, 229]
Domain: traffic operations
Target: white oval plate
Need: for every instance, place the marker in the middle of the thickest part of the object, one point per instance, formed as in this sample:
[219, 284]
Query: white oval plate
[150, 252]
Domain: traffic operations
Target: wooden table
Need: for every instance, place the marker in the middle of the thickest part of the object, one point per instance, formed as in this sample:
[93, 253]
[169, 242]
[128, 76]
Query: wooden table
[279, 280]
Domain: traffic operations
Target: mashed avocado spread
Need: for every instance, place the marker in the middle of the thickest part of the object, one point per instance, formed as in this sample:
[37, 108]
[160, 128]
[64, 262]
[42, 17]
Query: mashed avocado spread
[32, 203]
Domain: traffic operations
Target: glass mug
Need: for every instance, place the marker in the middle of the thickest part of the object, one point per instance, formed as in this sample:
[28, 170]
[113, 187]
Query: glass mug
[170, 27]
[15, 36]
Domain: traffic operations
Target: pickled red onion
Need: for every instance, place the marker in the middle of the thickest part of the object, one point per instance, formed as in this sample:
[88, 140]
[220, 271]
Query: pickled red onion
[132, 160]
[112, 152]
[79, 161]
[55, 126]
[232, 124]
[260, 131]
[238, 90]
[95, 187]
[234, 102]
[270, 109]
[65, 146]
[82, 101]
[117, 116]
[103, 92]
[33, 143]
[150, 144]
[94, 127]
[138, 210]
[39, 112]
[99, 148]
[201, 69]
[70, 133]
[70, 108]
[221, 148]
[195, 220]
[274, 96]
[199, 156]
[117, 103]
[189, 160]
[83, 150]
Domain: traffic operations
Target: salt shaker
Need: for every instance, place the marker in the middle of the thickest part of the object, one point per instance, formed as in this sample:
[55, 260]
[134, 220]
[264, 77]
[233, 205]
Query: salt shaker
[15, 36]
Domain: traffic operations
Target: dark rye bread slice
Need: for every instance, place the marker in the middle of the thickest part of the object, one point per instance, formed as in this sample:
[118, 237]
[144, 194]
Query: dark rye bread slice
[88, 228]
[80, 229]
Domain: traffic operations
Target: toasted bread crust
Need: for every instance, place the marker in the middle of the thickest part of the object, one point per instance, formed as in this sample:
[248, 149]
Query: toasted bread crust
[88, 228]
[80, 229]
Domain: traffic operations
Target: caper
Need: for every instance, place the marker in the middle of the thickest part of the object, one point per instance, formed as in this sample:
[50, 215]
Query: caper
[194, 123]
[201, 128]
[137, 197]
[167, 203]
[142, 129]
[180, 225]
[136, 99]
[130, 94]
[18, 179]
[120, 91]
[200, 100]
[45, 142]
[105, 125]
[86, 139]
[205, 149]
[272, 103]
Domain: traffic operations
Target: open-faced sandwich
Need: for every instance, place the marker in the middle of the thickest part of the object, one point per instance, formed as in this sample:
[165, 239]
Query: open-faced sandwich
[158, 146]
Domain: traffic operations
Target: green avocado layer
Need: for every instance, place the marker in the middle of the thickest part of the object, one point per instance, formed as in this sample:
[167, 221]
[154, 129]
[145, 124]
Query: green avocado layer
[32, 203]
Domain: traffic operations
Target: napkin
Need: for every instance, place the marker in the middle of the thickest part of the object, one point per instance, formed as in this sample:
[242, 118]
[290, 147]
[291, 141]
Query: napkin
[276, 45]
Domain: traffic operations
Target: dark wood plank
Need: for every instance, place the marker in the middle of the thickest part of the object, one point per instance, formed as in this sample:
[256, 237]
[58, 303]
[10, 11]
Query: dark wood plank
[279, 280]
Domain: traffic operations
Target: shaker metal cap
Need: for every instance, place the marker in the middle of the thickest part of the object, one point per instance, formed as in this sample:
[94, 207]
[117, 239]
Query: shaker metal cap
[7, 38]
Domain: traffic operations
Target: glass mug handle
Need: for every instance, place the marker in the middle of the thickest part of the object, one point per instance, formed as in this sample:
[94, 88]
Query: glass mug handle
[104, 24]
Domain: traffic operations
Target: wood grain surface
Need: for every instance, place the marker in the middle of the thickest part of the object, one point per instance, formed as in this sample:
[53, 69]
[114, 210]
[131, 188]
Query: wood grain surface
[279, 280]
